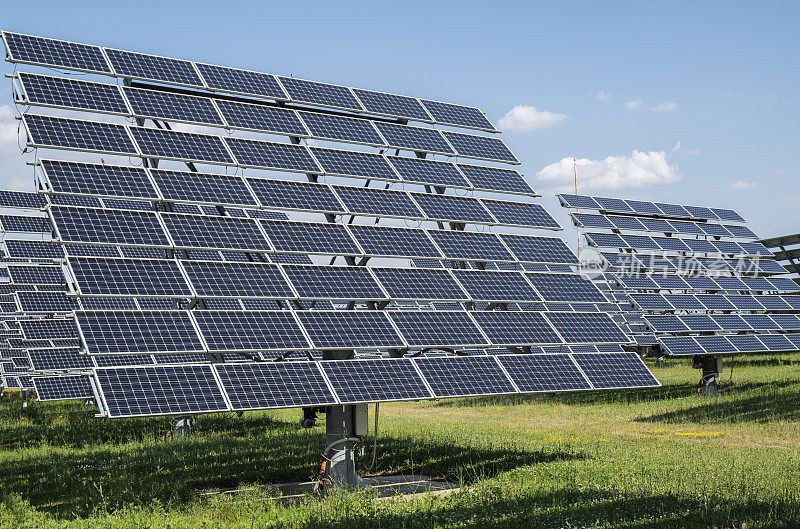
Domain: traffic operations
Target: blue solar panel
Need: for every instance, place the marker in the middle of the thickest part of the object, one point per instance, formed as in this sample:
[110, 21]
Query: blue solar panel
[51, 52]
[45, 302]
[378, 380]
[48, 329]
[310, 238]
[513, 328]
[550, 372]
[700, 322]
[70, 93]
[496, 286]
[714, 302]
[428, 172]
[170, 106]
[144, 66]
[615, 370]
[159, 390]
[32, 275]
[378, 202]
[62, 133]
[202, 187]
[304, 196]
[252, 386]
[387, 241]
[566, 287]
[776, 342]
[59, 359]
[540, 249]
[240, 81]
[451, 376]
[747, 343]
[416, 139]
[459, 115]
[127, 277]
[262, 118]
[452, 208]
[681, 345]
[521, 214]
[271, 155]
[125, 332]
[181, 145]
[333, 282]
[496, 179]
[412, 283]
[95, 179]
[480, 147]
[728, 214]
[349, 329]
[249, 330]
[357, 164]
[239, 280]
[578, 201]
[339, 128]
[391, 104]
[585, 327]
[443, 329]
[224, 233]
[62, 388]
[470, 245]
[320, 93]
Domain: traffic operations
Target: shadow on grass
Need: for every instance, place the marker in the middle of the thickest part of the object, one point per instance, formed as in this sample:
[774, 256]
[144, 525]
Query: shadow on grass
[578, 508]
[70, 483]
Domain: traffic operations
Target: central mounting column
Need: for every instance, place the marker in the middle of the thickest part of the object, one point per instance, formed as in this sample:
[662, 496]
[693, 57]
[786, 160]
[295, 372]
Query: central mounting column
[340, 439]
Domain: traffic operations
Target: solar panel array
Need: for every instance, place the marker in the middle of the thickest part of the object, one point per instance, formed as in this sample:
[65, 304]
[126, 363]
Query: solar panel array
[229, 217]
[692, 280]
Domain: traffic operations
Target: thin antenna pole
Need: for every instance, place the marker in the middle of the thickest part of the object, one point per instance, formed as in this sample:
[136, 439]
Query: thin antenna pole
[575, 171]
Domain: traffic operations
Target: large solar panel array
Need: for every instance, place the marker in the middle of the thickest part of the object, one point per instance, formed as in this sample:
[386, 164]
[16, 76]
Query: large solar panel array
[286, 220]
[692, 280]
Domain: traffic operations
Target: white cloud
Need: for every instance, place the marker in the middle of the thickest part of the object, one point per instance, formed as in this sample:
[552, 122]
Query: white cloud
[744, 184]
[677, 146]
[524, 118]
[604, 96]
[666, 106]
[631, 171]
[636, 104]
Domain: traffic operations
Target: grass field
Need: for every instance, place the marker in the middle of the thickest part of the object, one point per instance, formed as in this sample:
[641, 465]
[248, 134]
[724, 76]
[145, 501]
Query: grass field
[656, 458]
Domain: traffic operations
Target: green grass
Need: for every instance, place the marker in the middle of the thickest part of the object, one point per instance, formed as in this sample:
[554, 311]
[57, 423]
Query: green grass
[657, 458]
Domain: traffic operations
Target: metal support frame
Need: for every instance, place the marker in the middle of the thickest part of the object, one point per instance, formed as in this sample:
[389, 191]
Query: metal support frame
[181, 426]
[710, 366]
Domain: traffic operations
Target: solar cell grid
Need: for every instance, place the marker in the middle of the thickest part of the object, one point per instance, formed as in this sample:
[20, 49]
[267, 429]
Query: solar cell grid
[428, 171]
[776, 342]
[651, 302]
[459, 115]
[496, 179]
[224, 233]
[747, 343]
[684, 302]
[586, 327]
[671, 243]
[391, 104]
[238, 280]
[240, 81]
[362, 381]
[144, 66]
[550, 372]
[33, 275]
[387, 241]
[606, 240]
[45, 302]
[480, 147]
[159, 390]
[675, 210]
[173, 145]
[59, 359]
[496, 286]
[62, 388]
[566, 287]
[127, 277]
[418, 139]
[412, 283]
[100, 180]
[333, 282]
[539, 249]
[451, 376]
[261, 118]
[202, 187]
[251, 386]
[470, 245]
[511, 328]
[48, 329]
[249, 330]
[380, 202]
[349, 329]
[615, 370]
[714, 229]
[681, 345]
[357, 164]
[171, 106]
[310, 238]
[73, 134]
[448, 207]
[51, 52]
[443, 328]
[70, 93]
[521, 214]
[320, 93]
[126, 332]
[339, 128]
[700, 322]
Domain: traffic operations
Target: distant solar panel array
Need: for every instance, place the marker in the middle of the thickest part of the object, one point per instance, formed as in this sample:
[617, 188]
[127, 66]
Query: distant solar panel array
[688, 280]
[183, 282]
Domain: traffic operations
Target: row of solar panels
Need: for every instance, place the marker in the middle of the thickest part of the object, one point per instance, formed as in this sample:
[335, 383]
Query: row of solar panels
[671, 302]
[647, 224]
[241, 192]
[231, 115]
[182, 231]
[164, 390]
[714, 283]
[94, 59]
[645, 243]
[630, 263]
[203, 279]
[641, 207]
[723, 322]
[127, 332]
[734, 344]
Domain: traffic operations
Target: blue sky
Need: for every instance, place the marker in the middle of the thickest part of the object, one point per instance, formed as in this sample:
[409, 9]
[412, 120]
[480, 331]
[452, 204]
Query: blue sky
[706, 92]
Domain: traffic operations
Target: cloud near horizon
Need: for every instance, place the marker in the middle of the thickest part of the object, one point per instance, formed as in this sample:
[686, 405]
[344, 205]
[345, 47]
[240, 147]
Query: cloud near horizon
[631, 171]
[525, 118]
